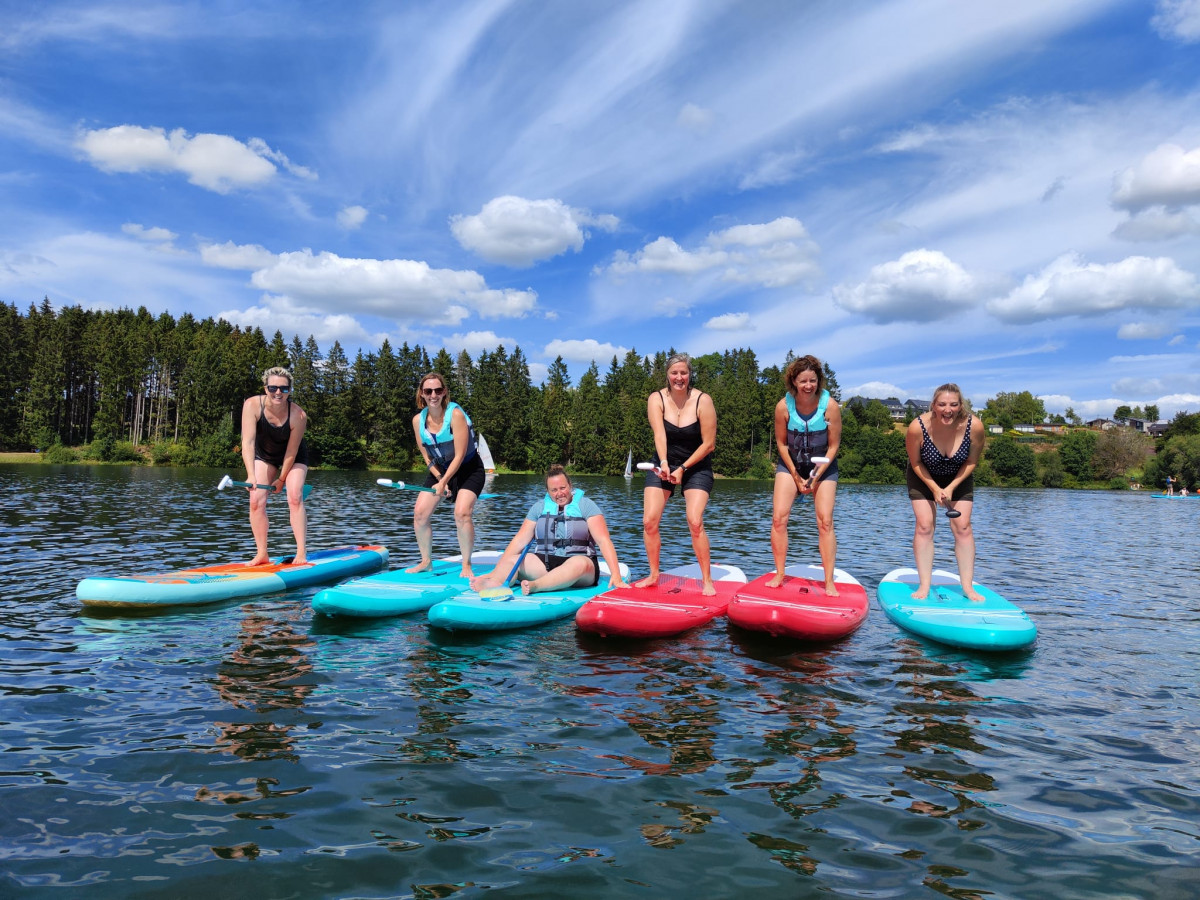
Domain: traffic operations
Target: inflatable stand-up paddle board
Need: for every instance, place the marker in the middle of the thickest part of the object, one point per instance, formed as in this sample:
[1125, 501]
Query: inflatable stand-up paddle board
[397, 592]
[672, 606]
[946, 615]
[799, 608]
[210, 584]
[470, 612]
[1174, 496]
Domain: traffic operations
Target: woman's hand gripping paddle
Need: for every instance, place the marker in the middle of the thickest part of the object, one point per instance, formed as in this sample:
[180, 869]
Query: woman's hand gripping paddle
[229, 482]
[505, 590]
[816, 461]
[401, 486]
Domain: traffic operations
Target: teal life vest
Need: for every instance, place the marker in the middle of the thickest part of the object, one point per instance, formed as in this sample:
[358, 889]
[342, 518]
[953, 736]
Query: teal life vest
[809, 437]
[441, 445]
[563, 532]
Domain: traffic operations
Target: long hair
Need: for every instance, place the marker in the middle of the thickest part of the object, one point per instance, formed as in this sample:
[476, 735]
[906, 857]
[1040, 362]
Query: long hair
[964, 405]
[421, 404]
[804, 364]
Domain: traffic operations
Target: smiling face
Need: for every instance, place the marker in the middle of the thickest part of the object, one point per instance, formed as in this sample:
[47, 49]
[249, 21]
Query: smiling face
[433, 391]
[806, 383]
[559, 489]
[679, 376]
[277, 389]
[947, 407]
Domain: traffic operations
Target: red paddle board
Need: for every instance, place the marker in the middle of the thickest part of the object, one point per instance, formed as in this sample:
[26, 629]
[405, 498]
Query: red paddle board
[672, 606]
[799, 608]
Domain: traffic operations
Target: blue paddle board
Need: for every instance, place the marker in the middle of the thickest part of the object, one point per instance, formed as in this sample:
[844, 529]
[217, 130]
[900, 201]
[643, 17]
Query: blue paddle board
[397, 592]
[470, 612]
[946, 615]
[1174, 496]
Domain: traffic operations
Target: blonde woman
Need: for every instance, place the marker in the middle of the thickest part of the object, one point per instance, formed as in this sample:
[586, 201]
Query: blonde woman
[275, 453]
[446, 440]
[944, 446]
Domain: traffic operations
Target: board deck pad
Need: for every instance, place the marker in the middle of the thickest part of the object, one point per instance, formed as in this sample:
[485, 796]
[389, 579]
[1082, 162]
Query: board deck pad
[674, 605]
[228, 581]
[398, 593]
[946, 615]
[799, 608]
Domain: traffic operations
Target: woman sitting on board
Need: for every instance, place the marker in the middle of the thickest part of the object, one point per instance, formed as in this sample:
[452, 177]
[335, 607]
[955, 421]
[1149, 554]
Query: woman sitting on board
[568, 529]
[275, 453]
[808, 425]
[446, 440]
[684, 422]
[944, 446]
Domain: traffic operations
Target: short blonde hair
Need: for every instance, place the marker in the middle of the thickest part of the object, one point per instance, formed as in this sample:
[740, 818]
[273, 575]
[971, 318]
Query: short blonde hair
[964, 405]
[277, 372]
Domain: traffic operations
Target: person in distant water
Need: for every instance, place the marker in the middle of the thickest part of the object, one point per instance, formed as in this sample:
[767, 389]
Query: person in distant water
[275, 453]
[808, 423]
[447, 443]
[1170, 486]
[569, 529]
[684, 422]
[944, 446]
[1183, 493]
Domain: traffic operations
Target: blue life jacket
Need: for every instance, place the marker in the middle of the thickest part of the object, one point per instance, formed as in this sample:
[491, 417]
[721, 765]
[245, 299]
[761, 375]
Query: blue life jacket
[576, 539]
[441, 445]
[807, 438]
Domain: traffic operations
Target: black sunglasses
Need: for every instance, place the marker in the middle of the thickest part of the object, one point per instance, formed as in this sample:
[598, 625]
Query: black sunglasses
[278, 388]
[432, 391]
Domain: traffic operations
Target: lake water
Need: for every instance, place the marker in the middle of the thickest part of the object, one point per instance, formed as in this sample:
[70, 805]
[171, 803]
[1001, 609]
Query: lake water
[248, 750]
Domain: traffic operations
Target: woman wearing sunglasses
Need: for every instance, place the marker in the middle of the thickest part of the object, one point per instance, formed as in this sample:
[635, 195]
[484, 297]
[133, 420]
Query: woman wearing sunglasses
[275, 453]
[446, 440]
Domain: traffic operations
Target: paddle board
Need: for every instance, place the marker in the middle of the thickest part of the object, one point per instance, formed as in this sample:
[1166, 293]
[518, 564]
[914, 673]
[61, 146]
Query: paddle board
[1174, 496]
[469, 611]
[670, 607]
[799, 608]
[210, 584]
[397, 592]
[946, 615]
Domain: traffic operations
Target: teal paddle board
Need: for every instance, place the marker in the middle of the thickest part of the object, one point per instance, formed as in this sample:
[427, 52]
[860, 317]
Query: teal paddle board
[946, 615]
[397, 593]
[470, 612]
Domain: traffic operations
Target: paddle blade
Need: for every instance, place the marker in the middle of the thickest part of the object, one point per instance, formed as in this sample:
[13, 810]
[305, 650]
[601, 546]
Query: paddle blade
[819, 460]
[646, 467]
[952, 514]
[225, 482]
[384, 482]
[496, 593]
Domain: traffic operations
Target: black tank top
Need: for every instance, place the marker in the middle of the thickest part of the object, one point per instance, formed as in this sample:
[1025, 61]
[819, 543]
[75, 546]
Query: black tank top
[683, 441]
[270, 441]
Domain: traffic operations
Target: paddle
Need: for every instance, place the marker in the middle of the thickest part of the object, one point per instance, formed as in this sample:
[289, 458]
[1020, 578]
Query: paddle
[401, 486]
[496, 593]
[816, 461]
[226, 481]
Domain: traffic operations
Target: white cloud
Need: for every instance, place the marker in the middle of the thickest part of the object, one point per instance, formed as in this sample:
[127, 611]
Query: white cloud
[1070, 287]
[585, 352]
[1143, 331]
[215, 162]
[772, 170]
[519, 232]
[351, 217]
[1167, 176]
[1177, 340]
[148, 234]
[773, 254]
[236, 256]
[920, 286]
[259, 146]
[475, 341]
[695, 118]
[283, 314]
[1179, 19]
[876, 390]
[1156, 223]
[729, 322]
[392, 287]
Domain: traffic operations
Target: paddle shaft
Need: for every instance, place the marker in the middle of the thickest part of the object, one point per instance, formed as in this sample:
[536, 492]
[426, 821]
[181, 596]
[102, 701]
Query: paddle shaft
[229, 482]
[505, 588]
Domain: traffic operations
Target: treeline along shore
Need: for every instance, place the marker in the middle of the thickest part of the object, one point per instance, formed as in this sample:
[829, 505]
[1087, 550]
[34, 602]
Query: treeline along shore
[125, 386]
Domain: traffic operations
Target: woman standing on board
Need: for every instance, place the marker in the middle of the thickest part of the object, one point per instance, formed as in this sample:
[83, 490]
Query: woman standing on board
[684, 422]
[808, 424]
[275, 453]
[446, 440]
[944, 446]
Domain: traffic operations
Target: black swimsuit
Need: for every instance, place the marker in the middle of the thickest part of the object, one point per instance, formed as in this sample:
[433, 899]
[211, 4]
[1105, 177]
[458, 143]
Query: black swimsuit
[270, 441]
[682, 442]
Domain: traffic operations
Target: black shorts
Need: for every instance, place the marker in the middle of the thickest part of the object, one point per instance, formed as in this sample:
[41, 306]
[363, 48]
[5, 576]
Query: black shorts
[553, 562]
[469, 477]
[693, 480]
[919, 490]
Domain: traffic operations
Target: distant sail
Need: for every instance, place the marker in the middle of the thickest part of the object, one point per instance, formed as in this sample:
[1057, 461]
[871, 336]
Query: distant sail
[629, 466]
[486, 455]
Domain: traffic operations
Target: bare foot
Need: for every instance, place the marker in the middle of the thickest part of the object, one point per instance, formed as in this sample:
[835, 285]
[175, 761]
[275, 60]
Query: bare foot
[973, 595]
[259, 561]
[921, 593]
[777, 581]
[423, 566]
[528, 587]
[299, 561]
[709, 589]
[831, 589]
[467, 573]
[480, 583]
[648, 581]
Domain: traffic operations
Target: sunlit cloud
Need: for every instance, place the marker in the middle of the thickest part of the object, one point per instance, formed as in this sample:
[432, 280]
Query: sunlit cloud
[351, 217]
[920, 286]
[519, 232]
[729, 322]
[585, 351]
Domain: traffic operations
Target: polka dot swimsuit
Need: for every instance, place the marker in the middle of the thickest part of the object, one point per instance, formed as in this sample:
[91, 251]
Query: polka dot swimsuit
[939, 466]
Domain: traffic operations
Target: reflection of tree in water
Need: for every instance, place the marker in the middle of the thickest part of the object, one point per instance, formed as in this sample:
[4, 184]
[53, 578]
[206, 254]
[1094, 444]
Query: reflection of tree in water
[692, 820]
[443, 694]
[265, 673]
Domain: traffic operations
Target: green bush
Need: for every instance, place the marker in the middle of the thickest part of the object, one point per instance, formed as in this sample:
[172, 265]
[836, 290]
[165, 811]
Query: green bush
[884, 473]
[124, 451]
[166, 453]
[220, 450]
[1118, 483]
[58, 455]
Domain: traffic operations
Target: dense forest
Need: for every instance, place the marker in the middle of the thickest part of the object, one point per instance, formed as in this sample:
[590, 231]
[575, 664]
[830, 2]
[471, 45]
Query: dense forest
[126, 385]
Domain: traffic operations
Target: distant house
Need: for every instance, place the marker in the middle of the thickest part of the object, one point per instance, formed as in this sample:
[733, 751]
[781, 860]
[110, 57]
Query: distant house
[1025, 429]
[893, 405]
[1052, 429]
[1154, 429]
[916, 407]
[1102, 424]
[995, 429]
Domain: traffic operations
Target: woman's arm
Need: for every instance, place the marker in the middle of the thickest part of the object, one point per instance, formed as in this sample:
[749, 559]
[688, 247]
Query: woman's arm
[833, 423]
[781, 439]
[654, 414]
[975, 427]
[249, 434]
[462, 436]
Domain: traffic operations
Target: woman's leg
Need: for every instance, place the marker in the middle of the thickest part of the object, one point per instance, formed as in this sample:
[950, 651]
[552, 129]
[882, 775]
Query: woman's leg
[823, 500]
[297, 512]
[654, 499]
[464, 523]
[925, 512]
[422, 510]
[695, 501]
[782, 498]
[264, 473]
[964, 549]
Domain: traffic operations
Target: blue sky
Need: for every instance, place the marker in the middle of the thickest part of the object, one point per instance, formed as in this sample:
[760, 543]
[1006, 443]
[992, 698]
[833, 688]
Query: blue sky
[1005, 195]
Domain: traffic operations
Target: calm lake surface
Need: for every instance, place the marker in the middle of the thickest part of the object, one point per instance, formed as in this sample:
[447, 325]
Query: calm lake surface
[247, 749]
